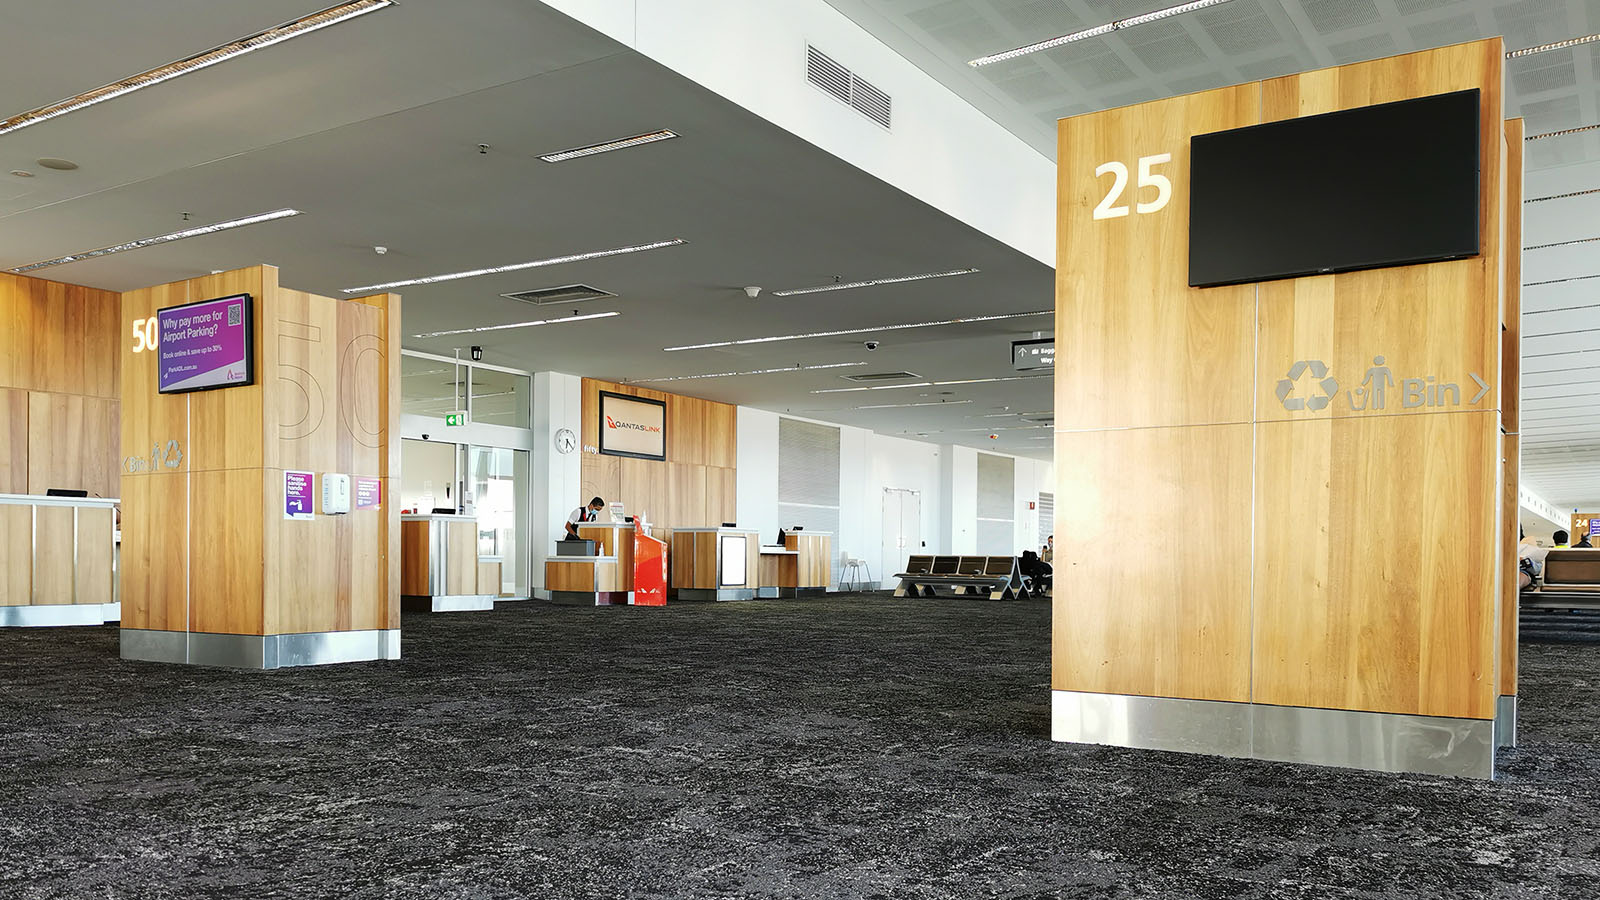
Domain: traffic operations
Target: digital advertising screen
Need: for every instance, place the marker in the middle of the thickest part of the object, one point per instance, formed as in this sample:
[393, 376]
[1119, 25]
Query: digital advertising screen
[632, 426]
[205, 345]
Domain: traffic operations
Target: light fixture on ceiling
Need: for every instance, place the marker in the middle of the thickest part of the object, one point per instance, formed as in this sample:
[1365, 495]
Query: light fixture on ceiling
[909, 405]
[1587, 240]
[1096, 31]
[160, 239]
[1563, 132]
[847, 285]
[517, 267]
[608, 146]
[795, 368]
[891, 387]
[22, 173]
[1583, 193]
[898, 327]
[57, 163]
[305, 25]
[1558, 45]
[508, 325]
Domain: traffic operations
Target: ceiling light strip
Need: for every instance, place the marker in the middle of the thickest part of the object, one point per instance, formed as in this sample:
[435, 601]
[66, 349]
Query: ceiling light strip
[517, 267]
[848, 285]
[608, 146]
[160, 239]
[906, 405]
[1583, 193]
[1558, 45]
[508, 325]
[1096, 31]
[1560, 280]
[330, 16]
[794, 368]
[1564, 131]
[891, 387]
[876, 328]
[1586, 240]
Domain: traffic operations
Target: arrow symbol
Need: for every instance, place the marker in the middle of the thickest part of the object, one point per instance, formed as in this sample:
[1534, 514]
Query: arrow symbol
[1482, 389]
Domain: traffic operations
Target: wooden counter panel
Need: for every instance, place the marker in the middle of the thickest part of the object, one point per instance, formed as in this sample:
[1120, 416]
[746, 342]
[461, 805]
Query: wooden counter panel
[415, 550]
[489, 579]
[582, 577]
[95, 549]
[461, 558]
[613, 542]
[1374, 571]
[1124, 306]
[1165, 614]
[814, 562]
[16, 555]
[52, 556]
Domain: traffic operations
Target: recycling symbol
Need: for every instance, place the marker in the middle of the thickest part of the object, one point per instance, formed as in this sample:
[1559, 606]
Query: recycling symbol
[1318, 371]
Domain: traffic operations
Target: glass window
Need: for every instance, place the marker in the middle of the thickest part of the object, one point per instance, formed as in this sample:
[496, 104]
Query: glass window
[428, 386]
[428, 475]
[500, 398]
[499, 480]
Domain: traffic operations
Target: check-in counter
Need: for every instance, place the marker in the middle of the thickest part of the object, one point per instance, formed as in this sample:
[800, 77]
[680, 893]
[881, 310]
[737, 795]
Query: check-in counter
[614, 540]
[814, 560]
[57, 561]
[780, 572]
[715, 563]
[584, 581]
[439, 570]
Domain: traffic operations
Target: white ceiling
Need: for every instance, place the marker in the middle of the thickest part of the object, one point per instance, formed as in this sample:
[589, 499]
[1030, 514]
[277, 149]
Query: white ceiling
[1245, 40]
[371, 128]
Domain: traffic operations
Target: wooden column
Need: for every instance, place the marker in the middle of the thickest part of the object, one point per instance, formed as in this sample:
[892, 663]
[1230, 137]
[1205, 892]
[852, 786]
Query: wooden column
[1293, 578]
[212, 571]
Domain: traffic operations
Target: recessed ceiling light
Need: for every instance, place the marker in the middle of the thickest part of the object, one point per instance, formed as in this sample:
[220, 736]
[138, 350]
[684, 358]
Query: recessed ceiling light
[331, 16]
[516, 267]
[1096, 31]
[433, 334]
[1558, 45]
[22, 173]
[57, 163]
[820, 334]
[845, 286]
[752, 372]
[160, 239]
[892, 387]
[608, 146]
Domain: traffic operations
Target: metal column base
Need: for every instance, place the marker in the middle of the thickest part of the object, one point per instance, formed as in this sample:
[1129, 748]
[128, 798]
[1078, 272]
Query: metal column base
[770, 592]
[811, 592]
[260, 651]
[52, 615]
[456, 603]
[718, 594]
[1505, 721]
[581, 598]
[1384, 742]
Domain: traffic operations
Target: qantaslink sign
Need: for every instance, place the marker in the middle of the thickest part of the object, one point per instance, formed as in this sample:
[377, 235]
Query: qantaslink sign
[1311, 384]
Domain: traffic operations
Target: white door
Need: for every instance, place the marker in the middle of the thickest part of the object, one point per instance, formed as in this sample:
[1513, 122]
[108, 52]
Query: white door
[902, 531]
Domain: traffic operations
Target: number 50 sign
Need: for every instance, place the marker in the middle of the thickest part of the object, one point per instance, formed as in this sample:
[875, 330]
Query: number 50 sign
[1148, 178]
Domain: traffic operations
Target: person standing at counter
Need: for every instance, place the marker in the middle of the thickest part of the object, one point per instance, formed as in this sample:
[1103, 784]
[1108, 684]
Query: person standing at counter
[582, 515]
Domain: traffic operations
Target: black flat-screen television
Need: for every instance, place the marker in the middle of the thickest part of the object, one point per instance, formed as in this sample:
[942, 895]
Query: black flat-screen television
[1386, 185]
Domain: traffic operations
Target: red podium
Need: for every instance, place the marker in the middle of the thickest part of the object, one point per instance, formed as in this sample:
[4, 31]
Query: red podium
[649, 567]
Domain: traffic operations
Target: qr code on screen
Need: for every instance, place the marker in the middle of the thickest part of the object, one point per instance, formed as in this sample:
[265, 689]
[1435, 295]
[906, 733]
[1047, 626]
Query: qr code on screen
[236, 314]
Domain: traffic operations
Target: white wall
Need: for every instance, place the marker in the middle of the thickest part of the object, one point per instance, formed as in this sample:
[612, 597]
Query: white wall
[1033, 477]
[557, 477]
[756, 482]
[906, 465]
[961, 488]
[941, 149]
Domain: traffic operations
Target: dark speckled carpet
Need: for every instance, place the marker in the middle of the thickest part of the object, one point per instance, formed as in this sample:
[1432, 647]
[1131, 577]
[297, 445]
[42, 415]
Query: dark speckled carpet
[849, 747]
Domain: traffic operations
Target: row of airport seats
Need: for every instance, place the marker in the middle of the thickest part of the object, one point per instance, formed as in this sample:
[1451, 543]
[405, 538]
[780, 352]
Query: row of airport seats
[1570, 580]
[987, 577]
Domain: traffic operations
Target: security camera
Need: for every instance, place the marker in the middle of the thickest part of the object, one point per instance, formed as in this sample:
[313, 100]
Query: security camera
[424, 437]
[752, 292]
[870, 345]
[477, 353]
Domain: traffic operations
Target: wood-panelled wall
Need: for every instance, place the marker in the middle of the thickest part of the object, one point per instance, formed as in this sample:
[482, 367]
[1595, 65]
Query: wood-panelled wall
[1341, 558]
[206, 547]
[59, 389]
[693, 488]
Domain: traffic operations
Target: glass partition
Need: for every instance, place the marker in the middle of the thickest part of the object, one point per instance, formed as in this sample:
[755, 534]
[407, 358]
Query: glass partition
[500, 398]
[427, 475]
[498, 479]
[428, 387]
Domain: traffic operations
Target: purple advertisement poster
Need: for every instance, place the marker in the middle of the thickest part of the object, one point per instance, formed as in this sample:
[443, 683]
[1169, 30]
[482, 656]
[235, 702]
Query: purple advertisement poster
[204, 345]
[297, 500]
[369, 493]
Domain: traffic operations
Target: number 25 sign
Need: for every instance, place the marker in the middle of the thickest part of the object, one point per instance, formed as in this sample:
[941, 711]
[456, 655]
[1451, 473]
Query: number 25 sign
[1148, 178]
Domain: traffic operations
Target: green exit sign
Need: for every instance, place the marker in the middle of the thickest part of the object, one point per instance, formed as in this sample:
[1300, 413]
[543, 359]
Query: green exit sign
[455, 418]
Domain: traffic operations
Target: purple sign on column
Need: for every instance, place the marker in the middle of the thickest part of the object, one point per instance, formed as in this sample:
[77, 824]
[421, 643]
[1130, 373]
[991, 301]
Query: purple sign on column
[369, 493]
[204, 345]
[297, 500]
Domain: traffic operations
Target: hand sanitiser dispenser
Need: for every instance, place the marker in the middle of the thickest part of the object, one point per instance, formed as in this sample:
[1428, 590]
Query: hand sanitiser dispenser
[335, 494]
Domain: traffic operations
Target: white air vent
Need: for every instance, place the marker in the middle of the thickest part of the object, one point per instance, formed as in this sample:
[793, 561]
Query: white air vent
[1038, 418]
[848, 87]
[566, 293]
[881, 376]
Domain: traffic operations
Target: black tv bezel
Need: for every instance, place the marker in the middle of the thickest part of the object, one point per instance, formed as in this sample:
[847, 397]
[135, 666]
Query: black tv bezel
[249, 345]
[1382, 263]
[600, 410]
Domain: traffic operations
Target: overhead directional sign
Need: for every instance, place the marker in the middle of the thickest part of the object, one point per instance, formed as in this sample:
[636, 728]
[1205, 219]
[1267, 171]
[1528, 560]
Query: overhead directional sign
[1039, 353]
